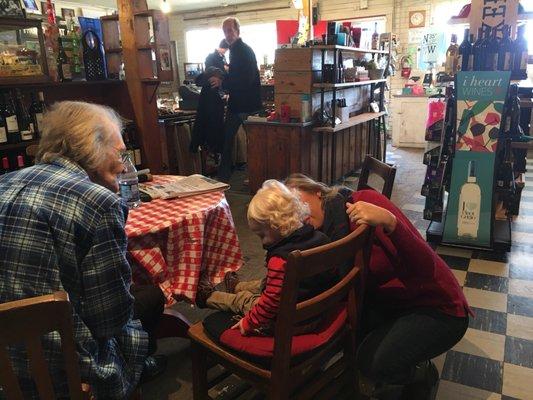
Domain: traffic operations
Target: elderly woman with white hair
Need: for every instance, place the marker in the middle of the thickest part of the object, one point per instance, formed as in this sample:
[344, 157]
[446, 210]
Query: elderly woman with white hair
[62, 228]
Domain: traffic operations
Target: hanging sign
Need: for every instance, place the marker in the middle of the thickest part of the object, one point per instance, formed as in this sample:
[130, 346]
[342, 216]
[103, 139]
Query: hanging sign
[493, 13]
[480, 101]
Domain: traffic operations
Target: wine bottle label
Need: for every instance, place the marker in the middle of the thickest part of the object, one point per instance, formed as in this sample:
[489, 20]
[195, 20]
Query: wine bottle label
[67, 74]
[32, 127]
[3, 134]
[470, 62]
[492, 61]
[137, 154]
[507, 61]
[523, 60]
[26, 134]
[459, 62]
[39, 120]
[12, 124]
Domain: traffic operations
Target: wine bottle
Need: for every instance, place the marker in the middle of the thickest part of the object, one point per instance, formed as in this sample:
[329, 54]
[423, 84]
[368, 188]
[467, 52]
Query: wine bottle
[36, 112]
[452, 54]
[5, 165]
[63, 63]
[478, 51]
[492, 47]
[375, 37]
[10, 117]
[24, 119]
[469, 205]
[520, 54]
[505, 54]
[465, 52]
[20, 162]
[3, 129]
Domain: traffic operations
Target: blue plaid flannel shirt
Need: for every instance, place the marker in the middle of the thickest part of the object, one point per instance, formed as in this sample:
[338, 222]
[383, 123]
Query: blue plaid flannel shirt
[60, 231]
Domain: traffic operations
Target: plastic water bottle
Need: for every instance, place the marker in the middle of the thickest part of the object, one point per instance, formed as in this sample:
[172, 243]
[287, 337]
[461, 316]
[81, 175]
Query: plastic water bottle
[128, 183]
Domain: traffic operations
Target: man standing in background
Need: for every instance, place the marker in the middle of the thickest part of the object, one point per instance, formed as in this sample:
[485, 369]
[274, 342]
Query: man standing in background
[244, 87]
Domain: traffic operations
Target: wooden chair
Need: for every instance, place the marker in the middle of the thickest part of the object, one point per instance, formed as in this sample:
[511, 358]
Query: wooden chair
[25, 321]
[385, 171]
[307, 378]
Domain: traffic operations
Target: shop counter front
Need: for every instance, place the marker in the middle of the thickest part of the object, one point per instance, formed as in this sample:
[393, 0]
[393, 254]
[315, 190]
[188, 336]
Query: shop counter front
[276, 150]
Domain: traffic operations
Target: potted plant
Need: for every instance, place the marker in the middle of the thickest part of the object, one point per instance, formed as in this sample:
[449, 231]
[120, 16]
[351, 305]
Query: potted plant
[373, 71]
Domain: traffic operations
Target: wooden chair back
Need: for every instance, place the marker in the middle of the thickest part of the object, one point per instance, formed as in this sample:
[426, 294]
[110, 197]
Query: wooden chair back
[25, 321]
[383, 170]
[306, 264]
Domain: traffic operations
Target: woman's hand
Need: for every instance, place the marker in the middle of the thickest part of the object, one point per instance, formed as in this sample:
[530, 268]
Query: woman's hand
[239, 326]
[362, 212]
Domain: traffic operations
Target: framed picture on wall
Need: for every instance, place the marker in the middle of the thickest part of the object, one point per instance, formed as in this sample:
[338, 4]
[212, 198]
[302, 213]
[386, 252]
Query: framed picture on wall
[43, 7]
[11, 8]
[30, 5]
[68, 12]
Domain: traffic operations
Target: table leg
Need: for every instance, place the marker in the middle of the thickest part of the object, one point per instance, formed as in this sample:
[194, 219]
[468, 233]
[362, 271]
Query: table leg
[172, 324]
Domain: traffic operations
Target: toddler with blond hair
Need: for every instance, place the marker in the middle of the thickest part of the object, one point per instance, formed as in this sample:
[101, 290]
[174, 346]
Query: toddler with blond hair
[277, 216]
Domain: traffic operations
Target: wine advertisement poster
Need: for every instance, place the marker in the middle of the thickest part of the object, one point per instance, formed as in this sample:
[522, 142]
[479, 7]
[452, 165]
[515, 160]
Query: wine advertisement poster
[469, 211]
[480, 101]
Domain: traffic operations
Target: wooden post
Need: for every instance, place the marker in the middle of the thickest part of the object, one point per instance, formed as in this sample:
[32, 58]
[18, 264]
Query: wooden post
[142, 93]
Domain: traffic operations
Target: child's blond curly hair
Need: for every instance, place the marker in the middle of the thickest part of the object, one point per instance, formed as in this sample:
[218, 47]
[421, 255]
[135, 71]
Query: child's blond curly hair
[278, 207]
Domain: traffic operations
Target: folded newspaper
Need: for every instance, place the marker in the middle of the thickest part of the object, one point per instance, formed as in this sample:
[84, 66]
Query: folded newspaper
[183, 187]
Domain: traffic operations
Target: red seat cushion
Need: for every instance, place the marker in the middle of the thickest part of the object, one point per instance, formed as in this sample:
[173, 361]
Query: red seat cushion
[263, 346]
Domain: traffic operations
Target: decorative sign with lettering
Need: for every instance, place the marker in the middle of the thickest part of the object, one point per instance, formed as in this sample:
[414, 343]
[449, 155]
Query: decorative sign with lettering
[493, 13]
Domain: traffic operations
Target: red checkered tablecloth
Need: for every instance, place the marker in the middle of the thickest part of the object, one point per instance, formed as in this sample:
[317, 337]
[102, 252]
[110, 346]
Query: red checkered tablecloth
[178, 240]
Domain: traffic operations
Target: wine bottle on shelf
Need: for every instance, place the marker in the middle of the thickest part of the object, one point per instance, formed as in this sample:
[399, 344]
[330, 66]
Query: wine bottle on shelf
[20, 162]
[492, 49]
[512, 117]
[3, 129]
[36, 112]
[478, 51]
[465, 53]
[63, 63]
[5, 165]
[9, 115]
[505, 55]
[24, 119]
[375, 37]
[452, 56]
[520, 54]
[469, 205]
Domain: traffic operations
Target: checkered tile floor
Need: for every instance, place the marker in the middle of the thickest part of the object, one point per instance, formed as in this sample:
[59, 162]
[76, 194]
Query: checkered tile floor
[494, 360]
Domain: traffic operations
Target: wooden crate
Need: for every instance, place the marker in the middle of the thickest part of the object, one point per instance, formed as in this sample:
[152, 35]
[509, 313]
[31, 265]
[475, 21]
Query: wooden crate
[302, 59]
[294, 101]
[296, 82]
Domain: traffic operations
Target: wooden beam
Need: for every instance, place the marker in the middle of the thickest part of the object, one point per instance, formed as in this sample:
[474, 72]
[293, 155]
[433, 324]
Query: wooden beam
[144, 105]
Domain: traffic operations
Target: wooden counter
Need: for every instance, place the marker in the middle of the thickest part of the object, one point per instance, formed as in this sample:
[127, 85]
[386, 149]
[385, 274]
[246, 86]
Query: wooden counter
[276, 150]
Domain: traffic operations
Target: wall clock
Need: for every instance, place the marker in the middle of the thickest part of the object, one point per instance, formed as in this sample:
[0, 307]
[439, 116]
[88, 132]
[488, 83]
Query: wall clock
[417, 19]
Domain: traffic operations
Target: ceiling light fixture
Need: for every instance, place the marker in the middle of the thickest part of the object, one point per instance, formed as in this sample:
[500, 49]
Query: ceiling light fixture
[165, 7]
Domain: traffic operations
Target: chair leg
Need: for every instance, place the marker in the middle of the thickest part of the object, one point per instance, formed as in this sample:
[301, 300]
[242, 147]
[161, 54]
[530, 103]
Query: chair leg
[199, 372]
[349, 353]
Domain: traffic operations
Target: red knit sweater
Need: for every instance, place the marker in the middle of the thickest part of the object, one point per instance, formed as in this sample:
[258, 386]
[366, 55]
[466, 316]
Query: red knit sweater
[411, 274]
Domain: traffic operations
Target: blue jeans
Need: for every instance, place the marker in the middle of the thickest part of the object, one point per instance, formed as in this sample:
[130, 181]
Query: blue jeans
[231, 126]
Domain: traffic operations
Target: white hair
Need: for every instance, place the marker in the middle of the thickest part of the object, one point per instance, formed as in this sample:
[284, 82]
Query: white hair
[79, 131]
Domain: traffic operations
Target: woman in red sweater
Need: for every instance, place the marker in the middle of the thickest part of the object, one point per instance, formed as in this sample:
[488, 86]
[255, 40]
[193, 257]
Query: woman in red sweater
[415, 309]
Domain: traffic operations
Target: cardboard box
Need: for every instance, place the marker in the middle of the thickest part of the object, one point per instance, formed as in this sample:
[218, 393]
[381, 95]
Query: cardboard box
[302, 59]
[297, 82]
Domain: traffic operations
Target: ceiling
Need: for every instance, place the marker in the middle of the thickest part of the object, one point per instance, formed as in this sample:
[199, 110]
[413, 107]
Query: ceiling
[176, 5]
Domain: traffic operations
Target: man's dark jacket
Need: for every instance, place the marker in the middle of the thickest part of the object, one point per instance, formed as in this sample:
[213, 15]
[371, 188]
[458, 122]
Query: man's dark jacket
[242, 82]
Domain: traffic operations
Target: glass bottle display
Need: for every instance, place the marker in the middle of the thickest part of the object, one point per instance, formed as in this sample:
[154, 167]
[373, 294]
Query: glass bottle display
[63, 63]
[520, 53]
[452, 57]
[492, 49]
[129, 183]
[505, 52]
[478, 51]
[10, 117]
[469, 205]
[464, 62]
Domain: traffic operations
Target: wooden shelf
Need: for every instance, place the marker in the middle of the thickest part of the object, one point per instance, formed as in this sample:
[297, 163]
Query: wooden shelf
[150, 80]
[347, 48]
[112, 17]
[357, 120]
[61, 84]
[113, 50]
[20, 145]
[347, 84]
[145, 13]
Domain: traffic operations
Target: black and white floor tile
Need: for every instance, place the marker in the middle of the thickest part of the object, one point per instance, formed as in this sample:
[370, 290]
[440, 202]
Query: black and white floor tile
[494, 360]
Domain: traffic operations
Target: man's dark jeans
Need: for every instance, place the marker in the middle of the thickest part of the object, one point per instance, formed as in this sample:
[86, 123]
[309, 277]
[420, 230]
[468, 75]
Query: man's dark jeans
[395, 343]
[231, 126]
[148, 307]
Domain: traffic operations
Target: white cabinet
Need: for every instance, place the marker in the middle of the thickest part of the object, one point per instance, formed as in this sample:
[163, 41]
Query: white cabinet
[409, 115]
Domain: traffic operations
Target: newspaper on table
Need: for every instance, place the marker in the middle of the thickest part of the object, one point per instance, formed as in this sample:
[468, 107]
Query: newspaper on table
[183, 187]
